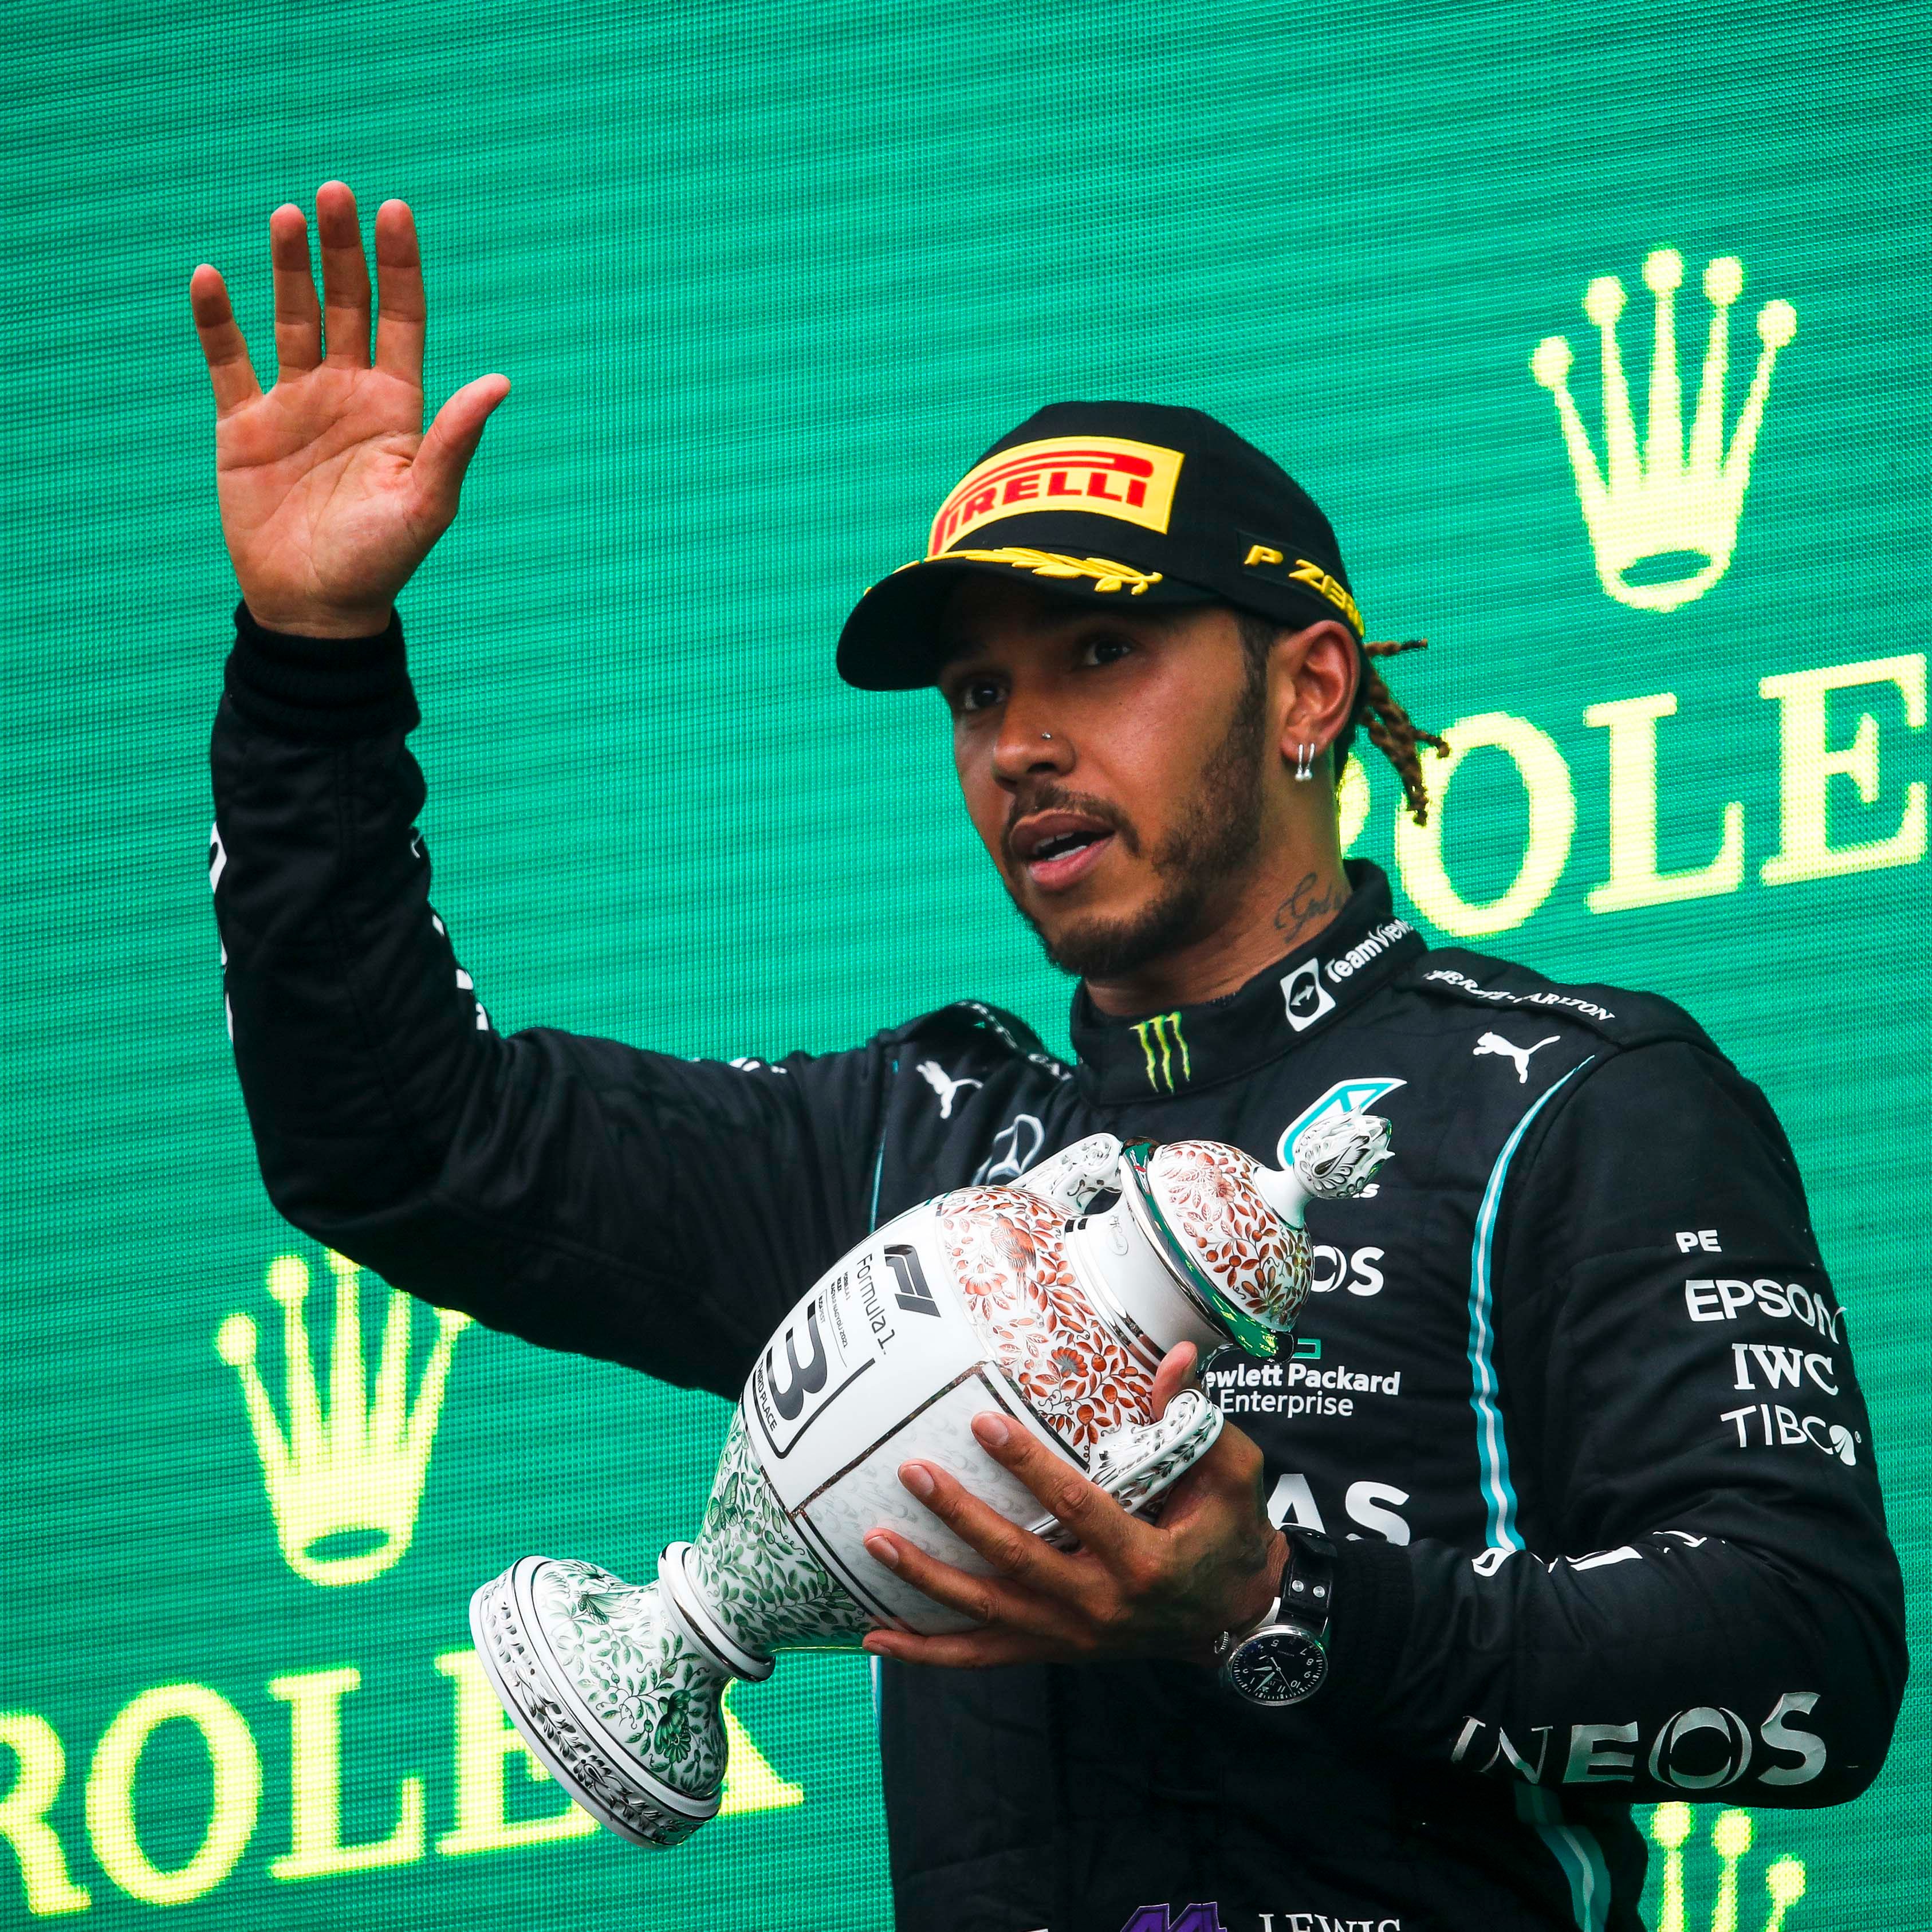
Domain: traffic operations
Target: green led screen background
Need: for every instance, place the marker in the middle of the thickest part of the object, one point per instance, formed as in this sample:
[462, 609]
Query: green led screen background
[766, 280]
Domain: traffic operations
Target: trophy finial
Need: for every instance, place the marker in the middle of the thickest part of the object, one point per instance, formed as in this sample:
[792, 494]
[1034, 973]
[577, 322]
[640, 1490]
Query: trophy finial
[1335, 1159]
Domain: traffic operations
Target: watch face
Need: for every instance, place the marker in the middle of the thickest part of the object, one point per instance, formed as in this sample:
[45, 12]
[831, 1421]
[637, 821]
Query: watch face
[1278, 1666]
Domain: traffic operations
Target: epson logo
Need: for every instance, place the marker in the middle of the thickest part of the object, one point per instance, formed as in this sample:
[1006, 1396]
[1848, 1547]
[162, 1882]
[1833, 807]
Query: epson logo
[1721, 1300]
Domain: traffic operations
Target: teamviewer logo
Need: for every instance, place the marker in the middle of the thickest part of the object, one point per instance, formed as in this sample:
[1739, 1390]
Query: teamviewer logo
[1305, 997]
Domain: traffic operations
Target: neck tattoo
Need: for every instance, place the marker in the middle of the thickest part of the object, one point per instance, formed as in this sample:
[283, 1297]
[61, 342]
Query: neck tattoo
[1309, 902]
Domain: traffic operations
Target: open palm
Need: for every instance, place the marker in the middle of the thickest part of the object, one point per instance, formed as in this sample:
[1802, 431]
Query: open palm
[330, 493]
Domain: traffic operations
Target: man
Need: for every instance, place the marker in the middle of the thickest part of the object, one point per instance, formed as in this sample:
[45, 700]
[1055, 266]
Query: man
[1576, 1412]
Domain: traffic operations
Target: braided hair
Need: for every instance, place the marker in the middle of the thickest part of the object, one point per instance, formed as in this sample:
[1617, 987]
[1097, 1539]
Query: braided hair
[1377, 709]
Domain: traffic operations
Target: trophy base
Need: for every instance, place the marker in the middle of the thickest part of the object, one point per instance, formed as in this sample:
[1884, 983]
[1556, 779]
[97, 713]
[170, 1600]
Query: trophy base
[593, 1767]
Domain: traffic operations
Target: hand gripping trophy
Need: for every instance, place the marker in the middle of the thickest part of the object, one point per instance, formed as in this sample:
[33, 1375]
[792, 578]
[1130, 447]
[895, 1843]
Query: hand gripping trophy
[1052, 1299]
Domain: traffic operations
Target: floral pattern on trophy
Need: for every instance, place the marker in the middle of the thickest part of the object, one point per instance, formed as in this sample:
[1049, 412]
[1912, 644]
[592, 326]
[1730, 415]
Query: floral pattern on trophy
[1206, 1191]
[585, 1763]
[755, 1574]
[1008, 1262]
[1136, 1467]
[635, 1671]
[618, 1686]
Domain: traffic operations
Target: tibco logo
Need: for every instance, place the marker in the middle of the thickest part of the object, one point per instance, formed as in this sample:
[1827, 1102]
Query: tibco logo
[1756, 1422]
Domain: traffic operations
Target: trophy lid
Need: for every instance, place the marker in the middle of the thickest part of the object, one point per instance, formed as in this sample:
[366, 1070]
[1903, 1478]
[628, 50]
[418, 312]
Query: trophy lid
[1237, 1261]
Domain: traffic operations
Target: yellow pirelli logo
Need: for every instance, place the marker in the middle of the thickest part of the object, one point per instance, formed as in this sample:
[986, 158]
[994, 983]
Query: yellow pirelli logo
[1104, 475]
[1261, 556]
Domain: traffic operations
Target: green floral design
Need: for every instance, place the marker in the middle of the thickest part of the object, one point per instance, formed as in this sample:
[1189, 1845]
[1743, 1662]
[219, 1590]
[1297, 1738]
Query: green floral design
[761, 1581]
[641, 1680]
[588, 1767]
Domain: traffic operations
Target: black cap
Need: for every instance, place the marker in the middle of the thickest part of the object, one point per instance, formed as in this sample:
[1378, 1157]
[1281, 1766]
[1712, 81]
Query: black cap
[1117, 503]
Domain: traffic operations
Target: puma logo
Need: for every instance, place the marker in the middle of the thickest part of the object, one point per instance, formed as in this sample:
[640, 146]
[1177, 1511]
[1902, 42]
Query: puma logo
[1494, 1042]
[936, 1077]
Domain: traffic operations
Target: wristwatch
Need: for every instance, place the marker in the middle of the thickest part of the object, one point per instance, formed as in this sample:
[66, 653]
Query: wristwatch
[1285, 1658]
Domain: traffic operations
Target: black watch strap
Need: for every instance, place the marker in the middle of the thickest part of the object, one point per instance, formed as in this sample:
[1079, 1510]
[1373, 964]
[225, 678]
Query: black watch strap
[1308, 1581]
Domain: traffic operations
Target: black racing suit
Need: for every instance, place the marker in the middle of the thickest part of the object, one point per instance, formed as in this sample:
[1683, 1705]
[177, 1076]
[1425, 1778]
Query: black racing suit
[1574, 1395]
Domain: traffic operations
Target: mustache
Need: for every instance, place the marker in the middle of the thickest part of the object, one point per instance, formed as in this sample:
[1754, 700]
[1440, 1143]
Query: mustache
[1058, 798]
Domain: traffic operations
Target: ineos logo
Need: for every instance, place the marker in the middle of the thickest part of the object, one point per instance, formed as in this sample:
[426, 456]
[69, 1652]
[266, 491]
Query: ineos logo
[1734, 1757]
[807, 1378]
[1332, 1268]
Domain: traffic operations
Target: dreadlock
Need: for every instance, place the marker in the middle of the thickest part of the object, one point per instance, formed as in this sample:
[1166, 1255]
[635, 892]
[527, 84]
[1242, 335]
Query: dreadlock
[1377, 710]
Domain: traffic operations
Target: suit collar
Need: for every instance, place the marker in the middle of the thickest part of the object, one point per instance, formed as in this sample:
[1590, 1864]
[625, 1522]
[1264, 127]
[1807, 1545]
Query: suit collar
[1299, 995]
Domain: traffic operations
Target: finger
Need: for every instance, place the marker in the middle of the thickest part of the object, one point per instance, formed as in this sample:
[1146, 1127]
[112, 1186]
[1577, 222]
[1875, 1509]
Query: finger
[345, 277]
[975, 1597]
[965, 1650]
[402, 314]
[229, 368]
[1100, 1523]
[298, 313]
[985, 1599]
[1175, 1373]
[1013, 1551]
[443, 456]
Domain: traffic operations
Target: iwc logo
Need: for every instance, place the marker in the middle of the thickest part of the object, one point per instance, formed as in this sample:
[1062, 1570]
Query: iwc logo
[1663, 519]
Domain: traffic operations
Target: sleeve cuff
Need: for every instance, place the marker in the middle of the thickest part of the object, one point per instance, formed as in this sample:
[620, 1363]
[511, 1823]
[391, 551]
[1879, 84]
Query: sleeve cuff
[1375, 1600]
[326, 690]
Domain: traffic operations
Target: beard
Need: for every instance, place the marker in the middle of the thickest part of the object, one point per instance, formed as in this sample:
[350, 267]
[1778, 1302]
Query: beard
[1210, 848]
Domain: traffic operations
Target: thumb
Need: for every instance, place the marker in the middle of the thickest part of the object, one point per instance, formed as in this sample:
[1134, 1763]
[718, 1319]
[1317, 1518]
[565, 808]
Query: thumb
[1175, 1373]
[444, 454]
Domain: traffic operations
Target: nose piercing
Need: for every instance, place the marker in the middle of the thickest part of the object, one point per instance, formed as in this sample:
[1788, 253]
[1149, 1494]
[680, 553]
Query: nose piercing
[1046, 734]
[1302, 769]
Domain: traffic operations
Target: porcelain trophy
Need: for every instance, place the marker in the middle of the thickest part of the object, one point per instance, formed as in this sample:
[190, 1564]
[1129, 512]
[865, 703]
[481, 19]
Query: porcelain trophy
[1051, 1300]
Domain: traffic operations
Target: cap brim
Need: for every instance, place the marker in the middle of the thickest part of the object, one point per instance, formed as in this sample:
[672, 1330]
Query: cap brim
[892, 641]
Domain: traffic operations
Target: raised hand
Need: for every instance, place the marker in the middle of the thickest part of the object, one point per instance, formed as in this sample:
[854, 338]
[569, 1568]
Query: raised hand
[330, 493]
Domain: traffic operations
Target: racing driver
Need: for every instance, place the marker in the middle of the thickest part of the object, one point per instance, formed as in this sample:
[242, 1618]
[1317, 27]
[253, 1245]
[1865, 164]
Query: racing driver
[1564, 1501]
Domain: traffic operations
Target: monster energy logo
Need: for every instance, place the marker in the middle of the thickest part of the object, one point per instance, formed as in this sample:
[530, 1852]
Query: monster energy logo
[1163, 1035]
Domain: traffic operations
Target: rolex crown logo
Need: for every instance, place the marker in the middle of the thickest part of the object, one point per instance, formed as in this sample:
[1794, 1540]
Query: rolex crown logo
[345, 1477]
[1731, 1835]
[1663, 522]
